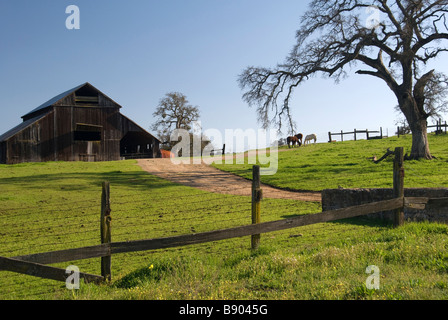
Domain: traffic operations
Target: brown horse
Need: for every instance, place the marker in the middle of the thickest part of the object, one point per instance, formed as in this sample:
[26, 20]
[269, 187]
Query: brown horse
[297, 139]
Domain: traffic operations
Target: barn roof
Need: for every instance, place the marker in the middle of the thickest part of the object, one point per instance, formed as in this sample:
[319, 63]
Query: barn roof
[20, 127]
[134, 127]
[59, 97]
[54, 100]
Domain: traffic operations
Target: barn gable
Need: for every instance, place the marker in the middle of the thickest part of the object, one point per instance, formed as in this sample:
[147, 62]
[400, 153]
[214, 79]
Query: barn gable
[81, 124]
[84, 95]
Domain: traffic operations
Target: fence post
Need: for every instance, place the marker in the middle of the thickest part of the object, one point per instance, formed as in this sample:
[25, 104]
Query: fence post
[399, 185]
[105, 229]
[257, 195]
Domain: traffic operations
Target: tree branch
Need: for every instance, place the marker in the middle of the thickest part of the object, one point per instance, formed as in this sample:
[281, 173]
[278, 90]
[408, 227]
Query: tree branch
[429, 39]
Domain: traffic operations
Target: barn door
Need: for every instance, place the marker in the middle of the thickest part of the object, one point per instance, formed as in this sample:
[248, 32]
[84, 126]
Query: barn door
[89, 154]
[87, 135]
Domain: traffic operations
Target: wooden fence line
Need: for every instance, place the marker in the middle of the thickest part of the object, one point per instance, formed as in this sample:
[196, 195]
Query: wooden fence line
[108, 249]
[439, 128]
[355, 132]
[222, 151]
[35, 264]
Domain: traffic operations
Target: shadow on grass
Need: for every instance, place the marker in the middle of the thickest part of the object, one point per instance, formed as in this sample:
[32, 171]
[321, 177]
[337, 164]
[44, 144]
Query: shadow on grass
[361, 221]
[364, 221]
[79, 179]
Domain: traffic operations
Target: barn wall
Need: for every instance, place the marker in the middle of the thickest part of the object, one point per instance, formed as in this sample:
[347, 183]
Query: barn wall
[108, 149]
[63, 136]
[52, 137]
[33, 144]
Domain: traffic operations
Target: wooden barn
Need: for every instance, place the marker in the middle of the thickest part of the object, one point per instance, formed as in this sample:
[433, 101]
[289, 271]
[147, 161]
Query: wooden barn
[81, 124]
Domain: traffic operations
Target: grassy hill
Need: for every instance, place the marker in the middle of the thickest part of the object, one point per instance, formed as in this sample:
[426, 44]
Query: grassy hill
[52, 206]
[349, 164]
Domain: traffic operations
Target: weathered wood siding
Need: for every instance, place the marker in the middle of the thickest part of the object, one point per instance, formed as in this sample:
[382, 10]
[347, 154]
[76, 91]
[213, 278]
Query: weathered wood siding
[69, 149]
[32, 144]
[52, 137]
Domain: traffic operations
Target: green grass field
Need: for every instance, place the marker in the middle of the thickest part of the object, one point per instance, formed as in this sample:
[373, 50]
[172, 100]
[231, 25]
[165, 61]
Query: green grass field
[56, 205]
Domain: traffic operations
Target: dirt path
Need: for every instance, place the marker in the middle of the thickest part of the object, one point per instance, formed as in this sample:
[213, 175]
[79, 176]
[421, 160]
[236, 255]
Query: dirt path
[210, 179]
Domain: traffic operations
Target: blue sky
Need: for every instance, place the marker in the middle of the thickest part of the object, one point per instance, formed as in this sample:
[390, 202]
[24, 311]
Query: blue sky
[137, 51]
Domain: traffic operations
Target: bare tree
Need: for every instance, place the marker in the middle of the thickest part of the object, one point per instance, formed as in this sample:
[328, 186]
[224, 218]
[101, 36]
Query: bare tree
[435, 103]
[174, 112]
[395, 44]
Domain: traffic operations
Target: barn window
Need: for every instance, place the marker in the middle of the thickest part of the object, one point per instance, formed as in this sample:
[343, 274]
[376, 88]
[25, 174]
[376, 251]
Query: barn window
[86, 97]
[87, 132]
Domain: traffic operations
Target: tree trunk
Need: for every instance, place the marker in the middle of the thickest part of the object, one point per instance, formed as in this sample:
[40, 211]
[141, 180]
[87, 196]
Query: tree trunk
[420, 145]
[417, 120]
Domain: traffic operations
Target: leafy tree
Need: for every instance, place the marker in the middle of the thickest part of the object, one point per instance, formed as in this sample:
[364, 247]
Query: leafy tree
[395, 44]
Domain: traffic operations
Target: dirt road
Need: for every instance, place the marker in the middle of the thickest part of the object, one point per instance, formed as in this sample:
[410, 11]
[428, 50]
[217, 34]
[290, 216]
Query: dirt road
[210, 179]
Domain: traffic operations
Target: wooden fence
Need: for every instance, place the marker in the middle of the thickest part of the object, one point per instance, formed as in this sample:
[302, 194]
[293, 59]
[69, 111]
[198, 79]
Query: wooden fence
[221, 151]
[38, 264]
[440, 126]
[356, 133]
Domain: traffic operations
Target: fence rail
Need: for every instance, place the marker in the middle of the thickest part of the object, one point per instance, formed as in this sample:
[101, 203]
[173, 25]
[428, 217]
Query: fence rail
[37, 264]
[42, 271]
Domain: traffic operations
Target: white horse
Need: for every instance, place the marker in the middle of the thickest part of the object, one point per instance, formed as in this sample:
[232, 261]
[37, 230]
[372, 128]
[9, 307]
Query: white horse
[310, 137]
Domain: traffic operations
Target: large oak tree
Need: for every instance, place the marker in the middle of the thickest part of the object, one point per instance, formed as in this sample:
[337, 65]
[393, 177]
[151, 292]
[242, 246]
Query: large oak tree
[395, 44]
